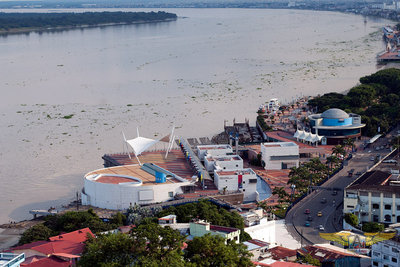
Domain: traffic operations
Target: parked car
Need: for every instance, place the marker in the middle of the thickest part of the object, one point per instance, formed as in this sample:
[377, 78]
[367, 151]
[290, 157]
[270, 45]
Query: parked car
[307, 211]
[309, 218]
[319, 214]
[307, 224]
[334, 193]
[372, 158]
[321, 228]
[358, 173]
[323, 200]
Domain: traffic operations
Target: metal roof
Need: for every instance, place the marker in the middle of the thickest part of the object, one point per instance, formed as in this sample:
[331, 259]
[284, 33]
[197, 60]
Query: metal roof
[334, 113]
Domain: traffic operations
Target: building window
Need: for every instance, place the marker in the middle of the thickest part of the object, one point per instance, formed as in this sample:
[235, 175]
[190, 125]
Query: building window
[394, 259]
[237, 165]
[171, 194]
[362, 193]
[375, 206]
[395, 250]
[253, 181]
[388, 218]
[350, 207]
[374, 194]
[398, 207]
[385, 257]
[376, 218]
[244, 190]
[376, 254]
[374, 263]
[398, 219]
[388, 207]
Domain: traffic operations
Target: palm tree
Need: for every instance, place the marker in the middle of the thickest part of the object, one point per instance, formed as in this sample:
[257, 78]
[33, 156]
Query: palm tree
[332, 160]
[280, 191]
[349, 143]
[339, 150]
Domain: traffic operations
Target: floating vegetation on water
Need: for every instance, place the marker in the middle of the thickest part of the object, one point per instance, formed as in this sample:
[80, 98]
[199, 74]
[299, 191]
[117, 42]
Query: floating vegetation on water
[67, 117]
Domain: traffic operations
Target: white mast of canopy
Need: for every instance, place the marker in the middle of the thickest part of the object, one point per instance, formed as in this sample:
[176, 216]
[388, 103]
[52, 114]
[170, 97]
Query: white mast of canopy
[171, 140]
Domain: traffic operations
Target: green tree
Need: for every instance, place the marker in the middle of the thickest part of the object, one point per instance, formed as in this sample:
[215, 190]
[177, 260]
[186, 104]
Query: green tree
[281, 193]
[307, 258]
[157, 244]
[36, 233]
[338, 151]
[108, 250]
[75, 220]
[372, 227]
[351, 219]
[332, 161]
[211, 250]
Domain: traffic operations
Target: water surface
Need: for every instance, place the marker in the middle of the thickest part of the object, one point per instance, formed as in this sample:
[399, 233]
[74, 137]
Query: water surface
[208, 66]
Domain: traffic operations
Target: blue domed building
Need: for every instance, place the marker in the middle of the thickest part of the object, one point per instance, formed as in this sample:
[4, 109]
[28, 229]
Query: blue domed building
[336, 125]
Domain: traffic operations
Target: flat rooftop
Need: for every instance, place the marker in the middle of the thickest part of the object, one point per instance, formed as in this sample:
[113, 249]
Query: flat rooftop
[113, 180]
[235, 172]
[128, 170]
[175, 162]
[279, 144]
[211, 147]
[224, 158]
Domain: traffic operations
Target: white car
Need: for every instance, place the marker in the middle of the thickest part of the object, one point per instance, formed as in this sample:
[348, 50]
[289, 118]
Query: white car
[321, 228]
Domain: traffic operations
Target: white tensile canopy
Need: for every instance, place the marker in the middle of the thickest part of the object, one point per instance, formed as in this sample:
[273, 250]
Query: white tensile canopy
[297, 133]
[309, 137]
[302, 135]
[140, 144]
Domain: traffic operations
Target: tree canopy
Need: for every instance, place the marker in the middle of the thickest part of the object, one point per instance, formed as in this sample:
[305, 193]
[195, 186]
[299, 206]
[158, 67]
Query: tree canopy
[10, 21]
[376, 99]
[211, 250]
[206, 210]
[68, 222]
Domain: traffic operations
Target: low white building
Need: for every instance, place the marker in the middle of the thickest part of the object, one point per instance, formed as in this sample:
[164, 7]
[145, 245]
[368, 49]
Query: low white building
[228, 162]
[373, 198]
[214, 150]
[386, 253]
[119, 187]
[201, 228]
[244, 180]
[279, 155]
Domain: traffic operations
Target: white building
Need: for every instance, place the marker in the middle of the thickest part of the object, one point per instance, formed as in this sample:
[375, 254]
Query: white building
[214, 150]
[228, 162]
[373, 198]
[279, 155]
[201, 228]
[244, 180]
[117, 188]
[385, 254]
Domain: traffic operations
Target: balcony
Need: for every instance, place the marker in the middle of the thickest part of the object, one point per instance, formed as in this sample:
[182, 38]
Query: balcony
[11, 259]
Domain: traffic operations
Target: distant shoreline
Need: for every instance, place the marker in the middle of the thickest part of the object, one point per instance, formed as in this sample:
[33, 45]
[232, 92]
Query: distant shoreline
[16, 23]
[63, 28]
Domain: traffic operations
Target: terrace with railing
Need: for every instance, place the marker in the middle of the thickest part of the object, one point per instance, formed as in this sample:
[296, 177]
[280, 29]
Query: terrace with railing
[11, 259]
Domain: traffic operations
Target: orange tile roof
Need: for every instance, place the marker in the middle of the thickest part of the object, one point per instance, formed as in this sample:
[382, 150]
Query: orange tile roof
[78, 236]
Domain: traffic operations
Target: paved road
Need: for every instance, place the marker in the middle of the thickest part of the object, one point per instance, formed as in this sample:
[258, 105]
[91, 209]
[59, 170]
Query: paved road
[332, 209]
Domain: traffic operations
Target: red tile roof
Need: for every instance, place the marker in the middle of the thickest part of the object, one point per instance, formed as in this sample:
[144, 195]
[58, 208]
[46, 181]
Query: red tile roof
[29, 245]
[49, 262]
[77, 236]
[32, 259]
[324, 254]
[279, 253]
[62, 246]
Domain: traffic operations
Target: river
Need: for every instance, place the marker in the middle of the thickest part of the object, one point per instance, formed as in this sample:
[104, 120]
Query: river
[67, 95]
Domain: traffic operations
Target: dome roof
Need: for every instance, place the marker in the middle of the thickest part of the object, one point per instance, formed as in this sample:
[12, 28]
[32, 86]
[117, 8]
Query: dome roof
[334, 113]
